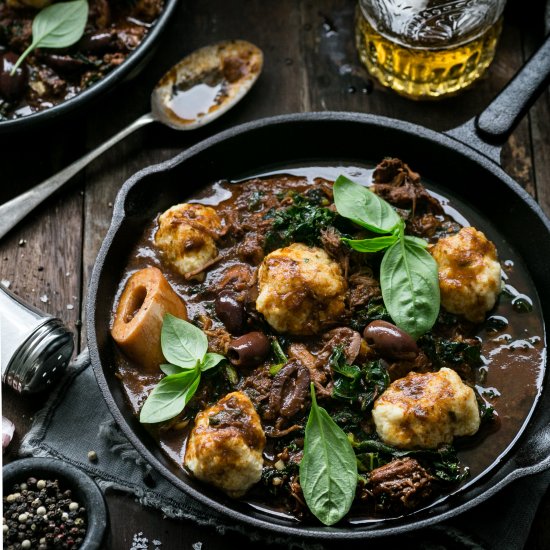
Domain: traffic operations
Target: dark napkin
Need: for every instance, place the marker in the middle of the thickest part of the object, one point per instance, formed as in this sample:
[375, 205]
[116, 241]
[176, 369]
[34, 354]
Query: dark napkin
[76, 420]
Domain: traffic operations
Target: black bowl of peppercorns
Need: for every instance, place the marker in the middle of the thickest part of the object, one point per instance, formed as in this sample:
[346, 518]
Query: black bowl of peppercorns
[48, 503]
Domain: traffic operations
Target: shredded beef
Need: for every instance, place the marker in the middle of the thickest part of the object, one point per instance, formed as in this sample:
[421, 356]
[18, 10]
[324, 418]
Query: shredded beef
[401, 485]
[400, 369]
[395, 182]
[362, 288]
[346, 338]
[251, 249]
[258, 385]
[319, 371]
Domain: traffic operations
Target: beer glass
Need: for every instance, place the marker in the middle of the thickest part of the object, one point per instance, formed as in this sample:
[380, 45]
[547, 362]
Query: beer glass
[426, 49]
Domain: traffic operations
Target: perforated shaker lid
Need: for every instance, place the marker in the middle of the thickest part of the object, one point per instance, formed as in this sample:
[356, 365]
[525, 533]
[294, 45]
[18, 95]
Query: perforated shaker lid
[41, 358]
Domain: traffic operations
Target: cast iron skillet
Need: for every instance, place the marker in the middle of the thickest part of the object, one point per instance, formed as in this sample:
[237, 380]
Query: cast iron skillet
[132, 65]
[464, 160]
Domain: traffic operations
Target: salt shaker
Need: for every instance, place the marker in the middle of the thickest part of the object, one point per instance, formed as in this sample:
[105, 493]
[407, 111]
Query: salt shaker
[35, 348]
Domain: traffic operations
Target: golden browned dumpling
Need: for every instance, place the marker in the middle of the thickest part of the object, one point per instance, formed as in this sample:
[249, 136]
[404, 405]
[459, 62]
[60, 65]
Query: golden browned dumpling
[226, 445]
[186, 235]
[301, 290]
[426, 410]
[469, 273]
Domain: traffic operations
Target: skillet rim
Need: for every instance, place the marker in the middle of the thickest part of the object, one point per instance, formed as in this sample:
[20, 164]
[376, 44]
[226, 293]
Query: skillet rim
[357, 531]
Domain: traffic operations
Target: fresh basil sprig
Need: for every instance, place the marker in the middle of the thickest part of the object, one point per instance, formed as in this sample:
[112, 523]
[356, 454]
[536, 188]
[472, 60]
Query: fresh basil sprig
[185, 346]
[363, 207]
[328, 469]
[408, 273]
[57, 26]
[410, 286]
[376, 244]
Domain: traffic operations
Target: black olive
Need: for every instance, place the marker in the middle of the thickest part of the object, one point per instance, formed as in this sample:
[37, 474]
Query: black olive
[249, 349]
[99, 42]
[390, 341]
[290, 389]
[62, 64]
[230, 311]
[12, 87]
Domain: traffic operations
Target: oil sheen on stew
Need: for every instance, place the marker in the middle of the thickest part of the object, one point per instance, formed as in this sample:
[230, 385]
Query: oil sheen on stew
[270, 260]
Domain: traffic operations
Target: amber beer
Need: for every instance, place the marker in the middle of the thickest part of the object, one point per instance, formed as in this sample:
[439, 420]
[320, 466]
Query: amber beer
[427, 49]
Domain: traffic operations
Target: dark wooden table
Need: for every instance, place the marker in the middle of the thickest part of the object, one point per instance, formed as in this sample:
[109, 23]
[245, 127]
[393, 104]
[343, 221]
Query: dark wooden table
[310, 65]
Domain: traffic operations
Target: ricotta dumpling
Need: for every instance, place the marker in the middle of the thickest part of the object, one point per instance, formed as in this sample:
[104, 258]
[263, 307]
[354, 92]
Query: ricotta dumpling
[186, 236]
[426, 410]
[226, 445]
[301, 290]
[469, 273]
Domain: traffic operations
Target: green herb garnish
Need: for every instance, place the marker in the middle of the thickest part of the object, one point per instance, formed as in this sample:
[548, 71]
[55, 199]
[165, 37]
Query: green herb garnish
[443, 462]
[301, 222]
[357, 384]
[408, 273]
[328, 470]
[57, 26]
[185, 346]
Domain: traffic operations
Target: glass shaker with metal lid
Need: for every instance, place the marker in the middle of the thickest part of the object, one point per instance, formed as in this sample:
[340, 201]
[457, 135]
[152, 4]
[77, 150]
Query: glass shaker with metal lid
[35, 348]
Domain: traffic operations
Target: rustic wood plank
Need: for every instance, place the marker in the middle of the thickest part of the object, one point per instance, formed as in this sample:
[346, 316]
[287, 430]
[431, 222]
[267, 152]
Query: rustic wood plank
[41, 258]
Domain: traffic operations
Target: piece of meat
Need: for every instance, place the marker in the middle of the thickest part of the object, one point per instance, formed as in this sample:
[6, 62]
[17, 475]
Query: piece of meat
[346, 338]
[18, 36]
[129, 38]
[362, 287]
[47, 83]
[319, 370]
[258, 386]
[424, 226]
[99, 15]
[251, 248]
[148, 10]
[400, 369]
[395, 182]
[402, 485]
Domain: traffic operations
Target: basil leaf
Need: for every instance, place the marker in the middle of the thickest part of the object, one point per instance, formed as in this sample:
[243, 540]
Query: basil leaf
[210, 361]
[183, 344]
[168, 369]
[57, 26]
[328, 470]
[416, 240]
[371, 245]
[170, 396]
[410, 286]
[363, 207]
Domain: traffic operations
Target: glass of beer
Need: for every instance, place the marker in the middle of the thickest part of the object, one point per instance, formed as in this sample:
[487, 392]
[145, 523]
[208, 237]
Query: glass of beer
[427, 49]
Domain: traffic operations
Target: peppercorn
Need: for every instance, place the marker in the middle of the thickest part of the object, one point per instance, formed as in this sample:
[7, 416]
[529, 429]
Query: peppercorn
[40, 514]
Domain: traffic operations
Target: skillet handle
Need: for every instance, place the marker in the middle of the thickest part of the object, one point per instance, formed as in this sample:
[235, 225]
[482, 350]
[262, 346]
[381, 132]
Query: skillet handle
[490, 129]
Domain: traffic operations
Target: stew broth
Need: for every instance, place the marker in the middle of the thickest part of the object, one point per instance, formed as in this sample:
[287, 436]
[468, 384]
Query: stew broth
[512, 337]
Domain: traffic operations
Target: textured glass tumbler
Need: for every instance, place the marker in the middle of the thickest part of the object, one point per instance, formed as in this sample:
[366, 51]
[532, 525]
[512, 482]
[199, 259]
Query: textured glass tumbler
[427, 49]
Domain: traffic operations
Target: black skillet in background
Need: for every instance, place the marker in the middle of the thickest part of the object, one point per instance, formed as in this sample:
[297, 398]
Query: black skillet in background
[127, 70]
[464, 160]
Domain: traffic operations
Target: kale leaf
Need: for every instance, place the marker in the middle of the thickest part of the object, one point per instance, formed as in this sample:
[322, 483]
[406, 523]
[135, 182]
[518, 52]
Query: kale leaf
[375, 311]
[442, 463]
[445, 353]
[356, 384]
[302, 222]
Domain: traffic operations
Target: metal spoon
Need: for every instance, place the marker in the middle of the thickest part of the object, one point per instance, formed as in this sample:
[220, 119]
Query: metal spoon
[195, 91]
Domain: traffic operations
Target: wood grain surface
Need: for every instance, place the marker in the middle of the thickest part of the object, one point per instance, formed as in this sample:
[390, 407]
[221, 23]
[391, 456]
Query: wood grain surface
[310, 65]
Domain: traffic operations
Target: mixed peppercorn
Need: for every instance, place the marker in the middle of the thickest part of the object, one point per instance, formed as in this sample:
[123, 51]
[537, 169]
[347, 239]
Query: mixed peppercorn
[40, 514]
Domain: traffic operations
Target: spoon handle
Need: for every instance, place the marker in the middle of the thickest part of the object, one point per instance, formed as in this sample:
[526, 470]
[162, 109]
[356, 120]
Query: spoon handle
[13, 211]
